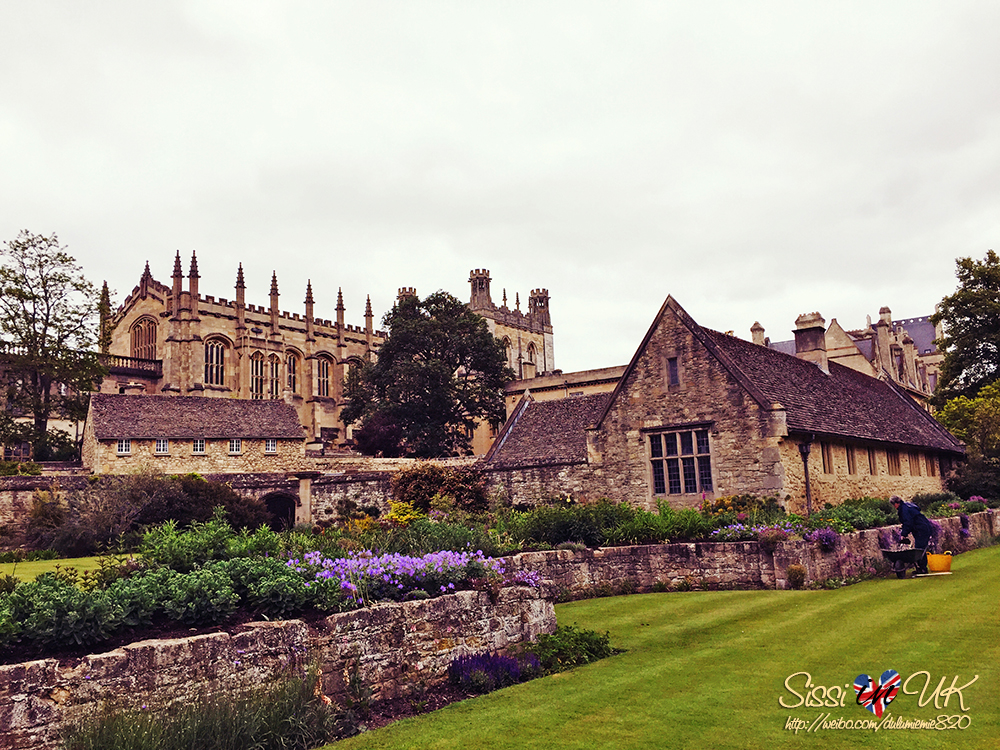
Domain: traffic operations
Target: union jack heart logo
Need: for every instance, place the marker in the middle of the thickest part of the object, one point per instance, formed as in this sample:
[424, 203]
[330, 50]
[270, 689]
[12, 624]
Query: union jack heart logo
[874, 696]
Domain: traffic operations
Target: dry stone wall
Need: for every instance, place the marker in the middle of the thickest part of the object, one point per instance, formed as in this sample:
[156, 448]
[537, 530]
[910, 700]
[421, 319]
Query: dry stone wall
[389, 645]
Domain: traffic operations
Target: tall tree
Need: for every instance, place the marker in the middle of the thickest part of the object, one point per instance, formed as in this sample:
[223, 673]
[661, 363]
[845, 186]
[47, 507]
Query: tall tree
[439, 372]
[47, 310]
[971, 323]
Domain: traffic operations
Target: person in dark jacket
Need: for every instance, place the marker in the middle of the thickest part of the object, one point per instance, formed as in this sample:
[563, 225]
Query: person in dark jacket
[914, 522]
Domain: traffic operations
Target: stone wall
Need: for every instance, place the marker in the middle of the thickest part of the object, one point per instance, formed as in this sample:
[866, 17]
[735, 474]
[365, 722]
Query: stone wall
[179, 458]
[390, 645]
[723, 565]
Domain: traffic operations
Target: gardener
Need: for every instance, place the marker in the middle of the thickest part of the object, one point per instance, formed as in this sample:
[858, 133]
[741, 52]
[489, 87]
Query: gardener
[916, 523]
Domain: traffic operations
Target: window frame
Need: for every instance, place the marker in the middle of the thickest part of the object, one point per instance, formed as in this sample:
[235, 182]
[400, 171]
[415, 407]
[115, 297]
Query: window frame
[198, 446]
[680, 460]
[123, 447]
[161, 447]
[235, 446]
[292, 371]
[215, 362]
[270, 446]
[323, 377]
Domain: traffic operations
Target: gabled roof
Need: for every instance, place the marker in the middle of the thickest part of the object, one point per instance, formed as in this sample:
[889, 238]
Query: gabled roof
[844, 403]
[185, 417]
[547, 432]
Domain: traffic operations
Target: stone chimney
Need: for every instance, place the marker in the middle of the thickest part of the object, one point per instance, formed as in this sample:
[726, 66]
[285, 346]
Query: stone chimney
[757, 333]
[810, 340]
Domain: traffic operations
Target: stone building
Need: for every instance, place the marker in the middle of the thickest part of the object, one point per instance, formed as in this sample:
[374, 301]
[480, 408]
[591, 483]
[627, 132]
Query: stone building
[182, 434]
[901, 350]
[175, 341]
[699, 414]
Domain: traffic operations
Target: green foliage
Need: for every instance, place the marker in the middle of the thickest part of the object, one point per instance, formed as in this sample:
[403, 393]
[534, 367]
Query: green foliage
[83, 522]
[856, 513]
[202, 597]
[51, 612]
[568, 647]
[170, 546]
[971, 322]
[420, 484]
[47, 308]
[976, 421]
[288, 716]
[142, 596]
[439, 371]
[796, 575]
[19, 468]
[977, 476]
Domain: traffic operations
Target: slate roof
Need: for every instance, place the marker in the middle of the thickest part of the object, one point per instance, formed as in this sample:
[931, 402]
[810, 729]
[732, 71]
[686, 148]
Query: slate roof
[845, 403]
[185, 417]
[547, 432]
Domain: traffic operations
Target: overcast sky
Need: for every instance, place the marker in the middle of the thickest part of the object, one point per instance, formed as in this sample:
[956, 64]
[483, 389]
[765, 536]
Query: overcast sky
[755, 160]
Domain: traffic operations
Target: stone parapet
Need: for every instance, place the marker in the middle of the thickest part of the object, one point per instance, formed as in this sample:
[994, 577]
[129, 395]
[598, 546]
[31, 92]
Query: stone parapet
[388, 645]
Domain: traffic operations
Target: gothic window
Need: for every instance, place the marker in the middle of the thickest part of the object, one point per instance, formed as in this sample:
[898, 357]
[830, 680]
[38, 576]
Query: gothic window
[322, 377]
[257, 375]
[528, 365]
[274, 376]
[673, 371]
[144, 339]
[681, 462]
[215, 362]
[292, 368]
[508, 352]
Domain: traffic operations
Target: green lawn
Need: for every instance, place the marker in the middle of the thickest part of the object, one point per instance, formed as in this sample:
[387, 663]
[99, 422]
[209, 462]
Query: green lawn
[707, 670]
[27, 571]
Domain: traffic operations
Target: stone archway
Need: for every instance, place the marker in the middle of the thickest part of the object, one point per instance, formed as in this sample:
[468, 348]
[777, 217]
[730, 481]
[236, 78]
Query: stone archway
[281, 506]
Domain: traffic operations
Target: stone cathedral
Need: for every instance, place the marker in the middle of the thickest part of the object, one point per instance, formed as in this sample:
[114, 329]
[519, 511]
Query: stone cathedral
[173, 340]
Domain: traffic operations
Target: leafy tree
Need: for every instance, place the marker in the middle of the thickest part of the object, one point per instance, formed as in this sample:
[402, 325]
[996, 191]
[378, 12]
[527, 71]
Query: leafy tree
[47, 308]
[439, 371]
[975, 420]
[971, 321]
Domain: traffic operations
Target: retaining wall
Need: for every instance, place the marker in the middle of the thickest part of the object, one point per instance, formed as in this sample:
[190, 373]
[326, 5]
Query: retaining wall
[390, 645]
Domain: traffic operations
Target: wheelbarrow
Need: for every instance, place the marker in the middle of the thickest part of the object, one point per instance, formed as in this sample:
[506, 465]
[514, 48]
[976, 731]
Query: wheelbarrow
[904, 558]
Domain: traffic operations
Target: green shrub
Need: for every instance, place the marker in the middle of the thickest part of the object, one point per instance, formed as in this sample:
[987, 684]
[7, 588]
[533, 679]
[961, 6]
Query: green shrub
[51, 612]
[142, 596]
[202, 597]
[926, 500]
[419, 484]
[569, 647]
[796, 575]
[19, 468]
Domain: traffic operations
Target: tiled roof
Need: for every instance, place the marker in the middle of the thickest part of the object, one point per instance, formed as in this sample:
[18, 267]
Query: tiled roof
[183, 417]
[548, 432]
[844, 403]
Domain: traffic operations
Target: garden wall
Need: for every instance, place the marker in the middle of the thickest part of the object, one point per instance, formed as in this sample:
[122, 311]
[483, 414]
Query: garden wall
[724, 565]
[390, 645]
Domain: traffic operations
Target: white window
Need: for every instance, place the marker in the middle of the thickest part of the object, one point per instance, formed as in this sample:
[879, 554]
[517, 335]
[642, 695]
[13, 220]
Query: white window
[235, 445]
[124, 447]
[270, 445]
[162, 445]
[198, 445]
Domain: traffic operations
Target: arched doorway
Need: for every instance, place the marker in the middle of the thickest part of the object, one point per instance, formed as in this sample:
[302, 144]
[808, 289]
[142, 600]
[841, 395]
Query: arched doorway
[281, 506]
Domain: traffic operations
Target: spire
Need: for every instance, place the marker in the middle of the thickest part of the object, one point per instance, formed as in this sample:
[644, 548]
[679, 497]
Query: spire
[274, 282]
[505, 296]
[274, 302]
[340, 298]
[193, 285]
[146, 274]
[340, 317]
[194, 266]
[239, 278]
[177, 266]
[368, 307]
[309, 292]
[310, 320]
[176, 287]
[517, 301]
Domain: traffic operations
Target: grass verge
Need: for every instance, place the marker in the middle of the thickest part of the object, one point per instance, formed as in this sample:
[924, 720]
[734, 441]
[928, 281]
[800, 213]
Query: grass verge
[707, 670]
[28, 571]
